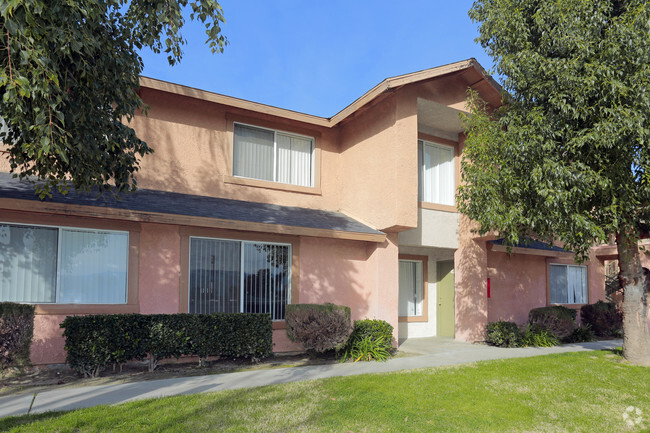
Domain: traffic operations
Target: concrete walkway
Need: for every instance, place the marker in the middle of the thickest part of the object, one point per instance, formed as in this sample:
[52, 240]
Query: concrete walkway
[415, 353]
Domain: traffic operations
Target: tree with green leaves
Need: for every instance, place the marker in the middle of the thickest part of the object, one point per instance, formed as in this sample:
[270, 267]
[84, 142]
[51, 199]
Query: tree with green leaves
[70, 79]
[567, 156]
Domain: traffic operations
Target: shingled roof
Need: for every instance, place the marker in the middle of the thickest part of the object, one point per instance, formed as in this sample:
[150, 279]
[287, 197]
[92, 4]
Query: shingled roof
[147, 202]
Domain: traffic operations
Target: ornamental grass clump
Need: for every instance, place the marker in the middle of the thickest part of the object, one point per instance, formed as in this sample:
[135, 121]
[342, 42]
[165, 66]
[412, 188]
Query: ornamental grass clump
[371, 339]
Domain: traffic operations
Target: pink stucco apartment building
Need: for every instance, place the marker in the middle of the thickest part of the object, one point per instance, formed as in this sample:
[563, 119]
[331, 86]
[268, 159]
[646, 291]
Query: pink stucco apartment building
[245, 207]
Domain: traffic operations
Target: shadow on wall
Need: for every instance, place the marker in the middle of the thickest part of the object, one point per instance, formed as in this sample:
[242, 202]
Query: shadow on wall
[337, 271]
[518, 284]
[189, 157]
[470, 262]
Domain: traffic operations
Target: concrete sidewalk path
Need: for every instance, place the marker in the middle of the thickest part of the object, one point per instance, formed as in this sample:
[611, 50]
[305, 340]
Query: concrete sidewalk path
[416, 353]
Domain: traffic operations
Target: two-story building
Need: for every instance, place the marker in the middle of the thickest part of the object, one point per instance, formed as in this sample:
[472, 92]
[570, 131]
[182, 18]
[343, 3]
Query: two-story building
[245, 207]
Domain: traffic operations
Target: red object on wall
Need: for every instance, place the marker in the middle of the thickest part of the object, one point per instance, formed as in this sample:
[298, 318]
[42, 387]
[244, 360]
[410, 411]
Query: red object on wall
[489, 294]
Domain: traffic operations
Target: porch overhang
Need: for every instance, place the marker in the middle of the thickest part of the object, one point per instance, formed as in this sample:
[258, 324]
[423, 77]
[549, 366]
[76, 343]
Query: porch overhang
[190, 210]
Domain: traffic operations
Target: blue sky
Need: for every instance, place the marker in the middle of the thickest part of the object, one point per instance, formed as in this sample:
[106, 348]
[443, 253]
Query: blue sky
[318, 57]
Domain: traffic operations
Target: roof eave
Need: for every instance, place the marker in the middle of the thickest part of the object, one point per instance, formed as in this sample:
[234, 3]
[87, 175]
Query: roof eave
[385, 86]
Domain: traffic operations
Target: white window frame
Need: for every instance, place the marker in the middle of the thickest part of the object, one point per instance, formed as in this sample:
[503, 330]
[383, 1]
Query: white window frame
[57, 288]
[275, 132]
[420, 284]
[585, 288]
[421, 169]
[241, 265]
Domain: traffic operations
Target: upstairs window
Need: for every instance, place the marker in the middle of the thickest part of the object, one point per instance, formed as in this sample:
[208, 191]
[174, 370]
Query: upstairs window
[568, 284]
[437, 182]
[271, 155]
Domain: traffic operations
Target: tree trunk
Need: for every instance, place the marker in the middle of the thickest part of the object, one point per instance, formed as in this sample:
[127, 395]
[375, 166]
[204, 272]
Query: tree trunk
[633, 279]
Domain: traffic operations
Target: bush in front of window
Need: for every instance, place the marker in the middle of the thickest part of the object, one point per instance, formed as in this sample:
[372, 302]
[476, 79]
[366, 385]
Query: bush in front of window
[503, 334]
[244, 335]
[605, 319]
[370, 339]
[582, 334]
[560, 320]
[318, 327]
[16, 332]
[94, 342]
[89, 343]
[168, 337]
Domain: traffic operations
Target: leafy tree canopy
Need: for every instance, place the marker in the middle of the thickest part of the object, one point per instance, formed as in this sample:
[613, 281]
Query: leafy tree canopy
[69, 79]
[567, 156]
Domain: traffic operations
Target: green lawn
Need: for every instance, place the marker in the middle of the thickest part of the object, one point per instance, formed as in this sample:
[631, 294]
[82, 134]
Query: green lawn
[574, 392]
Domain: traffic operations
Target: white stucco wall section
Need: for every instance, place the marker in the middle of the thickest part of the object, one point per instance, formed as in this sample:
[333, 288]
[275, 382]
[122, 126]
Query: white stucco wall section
[437, 229]
[423, 329]
[428, 328]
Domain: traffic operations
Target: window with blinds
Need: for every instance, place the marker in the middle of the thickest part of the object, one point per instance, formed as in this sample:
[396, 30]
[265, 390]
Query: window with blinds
[230, 276]
[411, 283]
[437, 180]
[63, 265]
[271, 155]
[568, 284]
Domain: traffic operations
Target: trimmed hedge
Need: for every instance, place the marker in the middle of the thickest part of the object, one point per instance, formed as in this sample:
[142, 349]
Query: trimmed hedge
[560, 320]
[604, 318]
[96, 341]
[318, 327]
[16, 332]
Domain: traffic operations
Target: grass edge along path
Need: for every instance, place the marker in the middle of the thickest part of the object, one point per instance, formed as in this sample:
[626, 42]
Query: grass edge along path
[574, 392]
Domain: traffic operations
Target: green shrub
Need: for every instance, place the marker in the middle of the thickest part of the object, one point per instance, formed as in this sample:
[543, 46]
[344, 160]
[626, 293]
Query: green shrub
[503, 334]
[168, 337]
[16, 332]
[370, 339]
[604, 318]
[89, 344]
[559, 320]
[537, 336]
[318, 327]
[582, 334]
[367, 349]
[95, 341]
[244, 335]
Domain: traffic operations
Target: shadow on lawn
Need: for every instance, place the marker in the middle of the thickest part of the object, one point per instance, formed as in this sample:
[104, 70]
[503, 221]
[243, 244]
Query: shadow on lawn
[10, 422]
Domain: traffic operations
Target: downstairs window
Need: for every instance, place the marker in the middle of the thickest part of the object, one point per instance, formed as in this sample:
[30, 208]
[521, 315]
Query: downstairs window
[230, 276]
[59, 265]
[568, 284]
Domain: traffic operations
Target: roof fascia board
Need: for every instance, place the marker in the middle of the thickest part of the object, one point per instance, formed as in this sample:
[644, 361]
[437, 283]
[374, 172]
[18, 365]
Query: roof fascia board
[369, 96]
[204, 95]
[402, 80]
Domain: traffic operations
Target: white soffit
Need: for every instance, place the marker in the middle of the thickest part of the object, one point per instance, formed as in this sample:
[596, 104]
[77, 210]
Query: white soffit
[439, 120]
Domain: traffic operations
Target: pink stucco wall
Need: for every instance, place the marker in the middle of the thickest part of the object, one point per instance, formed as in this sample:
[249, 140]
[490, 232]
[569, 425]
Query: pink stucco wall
[159, 273]
[470, 267]
[517, 284]
[48, 341]
[362, 275]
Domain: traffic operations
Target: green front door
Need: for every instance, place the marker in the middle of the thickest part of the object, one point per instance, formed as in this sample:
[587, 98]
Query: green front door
[445, 305]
